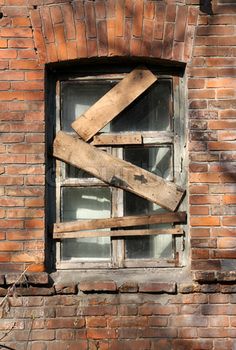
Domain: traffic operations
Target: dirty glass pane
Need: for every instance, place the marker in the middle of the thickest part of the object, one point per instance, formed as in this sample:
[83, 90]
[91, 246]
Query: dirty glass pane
[157, 160]
[73, 172]
[149, 112]
[86, 203]
[78, 97]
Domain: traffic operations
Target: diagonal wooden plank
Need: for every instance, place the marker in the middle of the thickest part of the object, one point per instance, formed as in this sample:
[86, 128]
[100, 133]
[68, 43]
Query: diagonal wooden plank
[125, 221]
[113, 102]
[117, 172]
[118, 233]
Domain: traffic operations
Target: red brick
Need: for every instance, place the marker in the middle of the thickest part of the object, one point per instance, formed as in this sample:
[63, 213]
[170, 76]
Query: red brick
[178, 49]
[138, 15]
[70, 288]
[149, 10]
[56, 14]
[200, 254]
[162, 332]
[100, 10]
[87, 286]
[205, 221]
[198, 344]
[128, 333]
[157, 321]
[203, 199]
[16, 32]
[171, 13]
[207, 265]
[204, 243]
[81, 38]
[157, 287]
[96, 322]
[102, 38]
[159, 25]
[204, 177]
[90, 20]
[128, 310]
[180, 25]
[157, 309]
[140, 344]
[100, 333]
[168, 41]
[128, 321]
[60, 42]
[120, 7]
[72, 323]
[98, 310]
[198, 189]
[47, 24]
[192, 15]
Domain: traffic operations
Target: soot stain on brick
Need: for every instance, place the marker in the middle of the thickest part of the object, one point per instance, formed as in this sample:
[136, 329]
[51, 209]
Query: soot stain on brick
[206, 7]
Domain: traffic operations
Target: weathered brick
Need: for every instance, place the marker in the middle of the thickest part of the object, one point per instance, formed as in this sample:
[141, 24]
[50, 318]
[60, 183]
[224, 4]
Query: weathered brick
[129, 287]
[38, 278]
[66, 288]
[88, 286]
[157, 287]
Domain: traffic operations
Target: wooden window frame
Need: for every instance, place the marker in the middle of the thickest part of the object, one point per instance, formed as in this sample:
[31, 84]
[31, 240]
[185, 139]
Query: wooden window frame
[175, 139]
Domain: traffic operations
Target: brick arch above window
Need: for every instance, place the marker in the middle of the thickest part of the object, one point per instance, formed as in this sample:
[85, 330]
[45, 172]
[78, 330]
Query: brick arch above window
[107, 28]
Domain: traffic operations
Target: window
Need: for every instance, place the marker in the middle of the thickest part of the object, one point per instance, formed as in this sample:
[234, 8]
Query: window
[148, 133]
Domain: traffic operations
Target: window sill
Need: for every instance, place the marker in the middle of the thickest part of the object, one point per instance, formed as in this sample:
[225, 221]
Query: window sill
[132, 281]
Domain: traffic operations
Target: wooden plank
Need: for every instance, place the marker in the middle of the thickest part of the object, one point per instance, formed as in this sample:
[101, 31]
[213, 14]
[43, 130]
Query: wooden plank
[157, 137]
[125, 221]
[113, 102]
[115, 139]
[117, 172]
[117, 233]
[157, 140]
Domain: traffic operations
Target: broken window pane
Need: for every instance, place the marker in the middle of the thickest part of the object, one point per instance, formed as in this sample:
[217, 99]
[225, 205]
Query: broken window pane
[86, 203]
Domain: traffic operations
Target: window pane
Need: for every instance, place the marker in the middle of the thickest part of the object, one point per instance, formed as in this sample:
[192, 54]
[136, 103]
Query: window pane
[149, 112]
[78, 97]
[86, 203]
[157, 160]
[73, 172]
[146, 247]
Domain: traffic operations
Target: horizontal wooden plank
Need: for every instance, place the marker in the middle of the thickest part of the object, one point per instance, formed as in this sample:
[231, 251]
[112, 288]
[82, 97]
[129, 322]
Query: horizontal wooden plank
[117, 233]
[113, 102]
[115, 139]
[157, 140]
[125, 221]
[117, 172]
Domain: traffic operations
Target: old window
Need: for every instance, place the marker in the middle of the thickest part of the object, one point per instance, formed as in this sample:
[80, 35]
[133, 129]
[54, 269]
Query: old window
[148, 132]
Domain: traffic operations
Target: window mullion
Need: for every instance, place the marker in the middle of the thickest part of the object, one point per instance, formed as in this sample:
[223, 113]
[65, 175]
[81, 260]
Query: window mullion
[117, 210]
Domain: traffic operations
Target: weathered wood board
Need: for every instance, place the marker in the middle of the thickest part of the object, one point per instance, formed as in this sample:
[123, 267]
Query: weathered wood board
[116, 172]
[124, 221]
[114, 139]
[113, 102]
[117, 233]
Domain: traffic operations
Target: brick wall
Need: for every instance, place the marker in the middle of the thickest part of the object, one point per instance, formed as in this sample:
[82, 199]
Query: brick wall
[197, 311]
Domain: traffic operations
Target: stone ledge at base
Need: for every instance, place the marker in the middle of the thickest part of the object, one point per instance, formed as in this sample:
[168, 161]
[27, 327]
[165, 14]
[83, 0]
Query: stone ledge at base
[41, 284]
